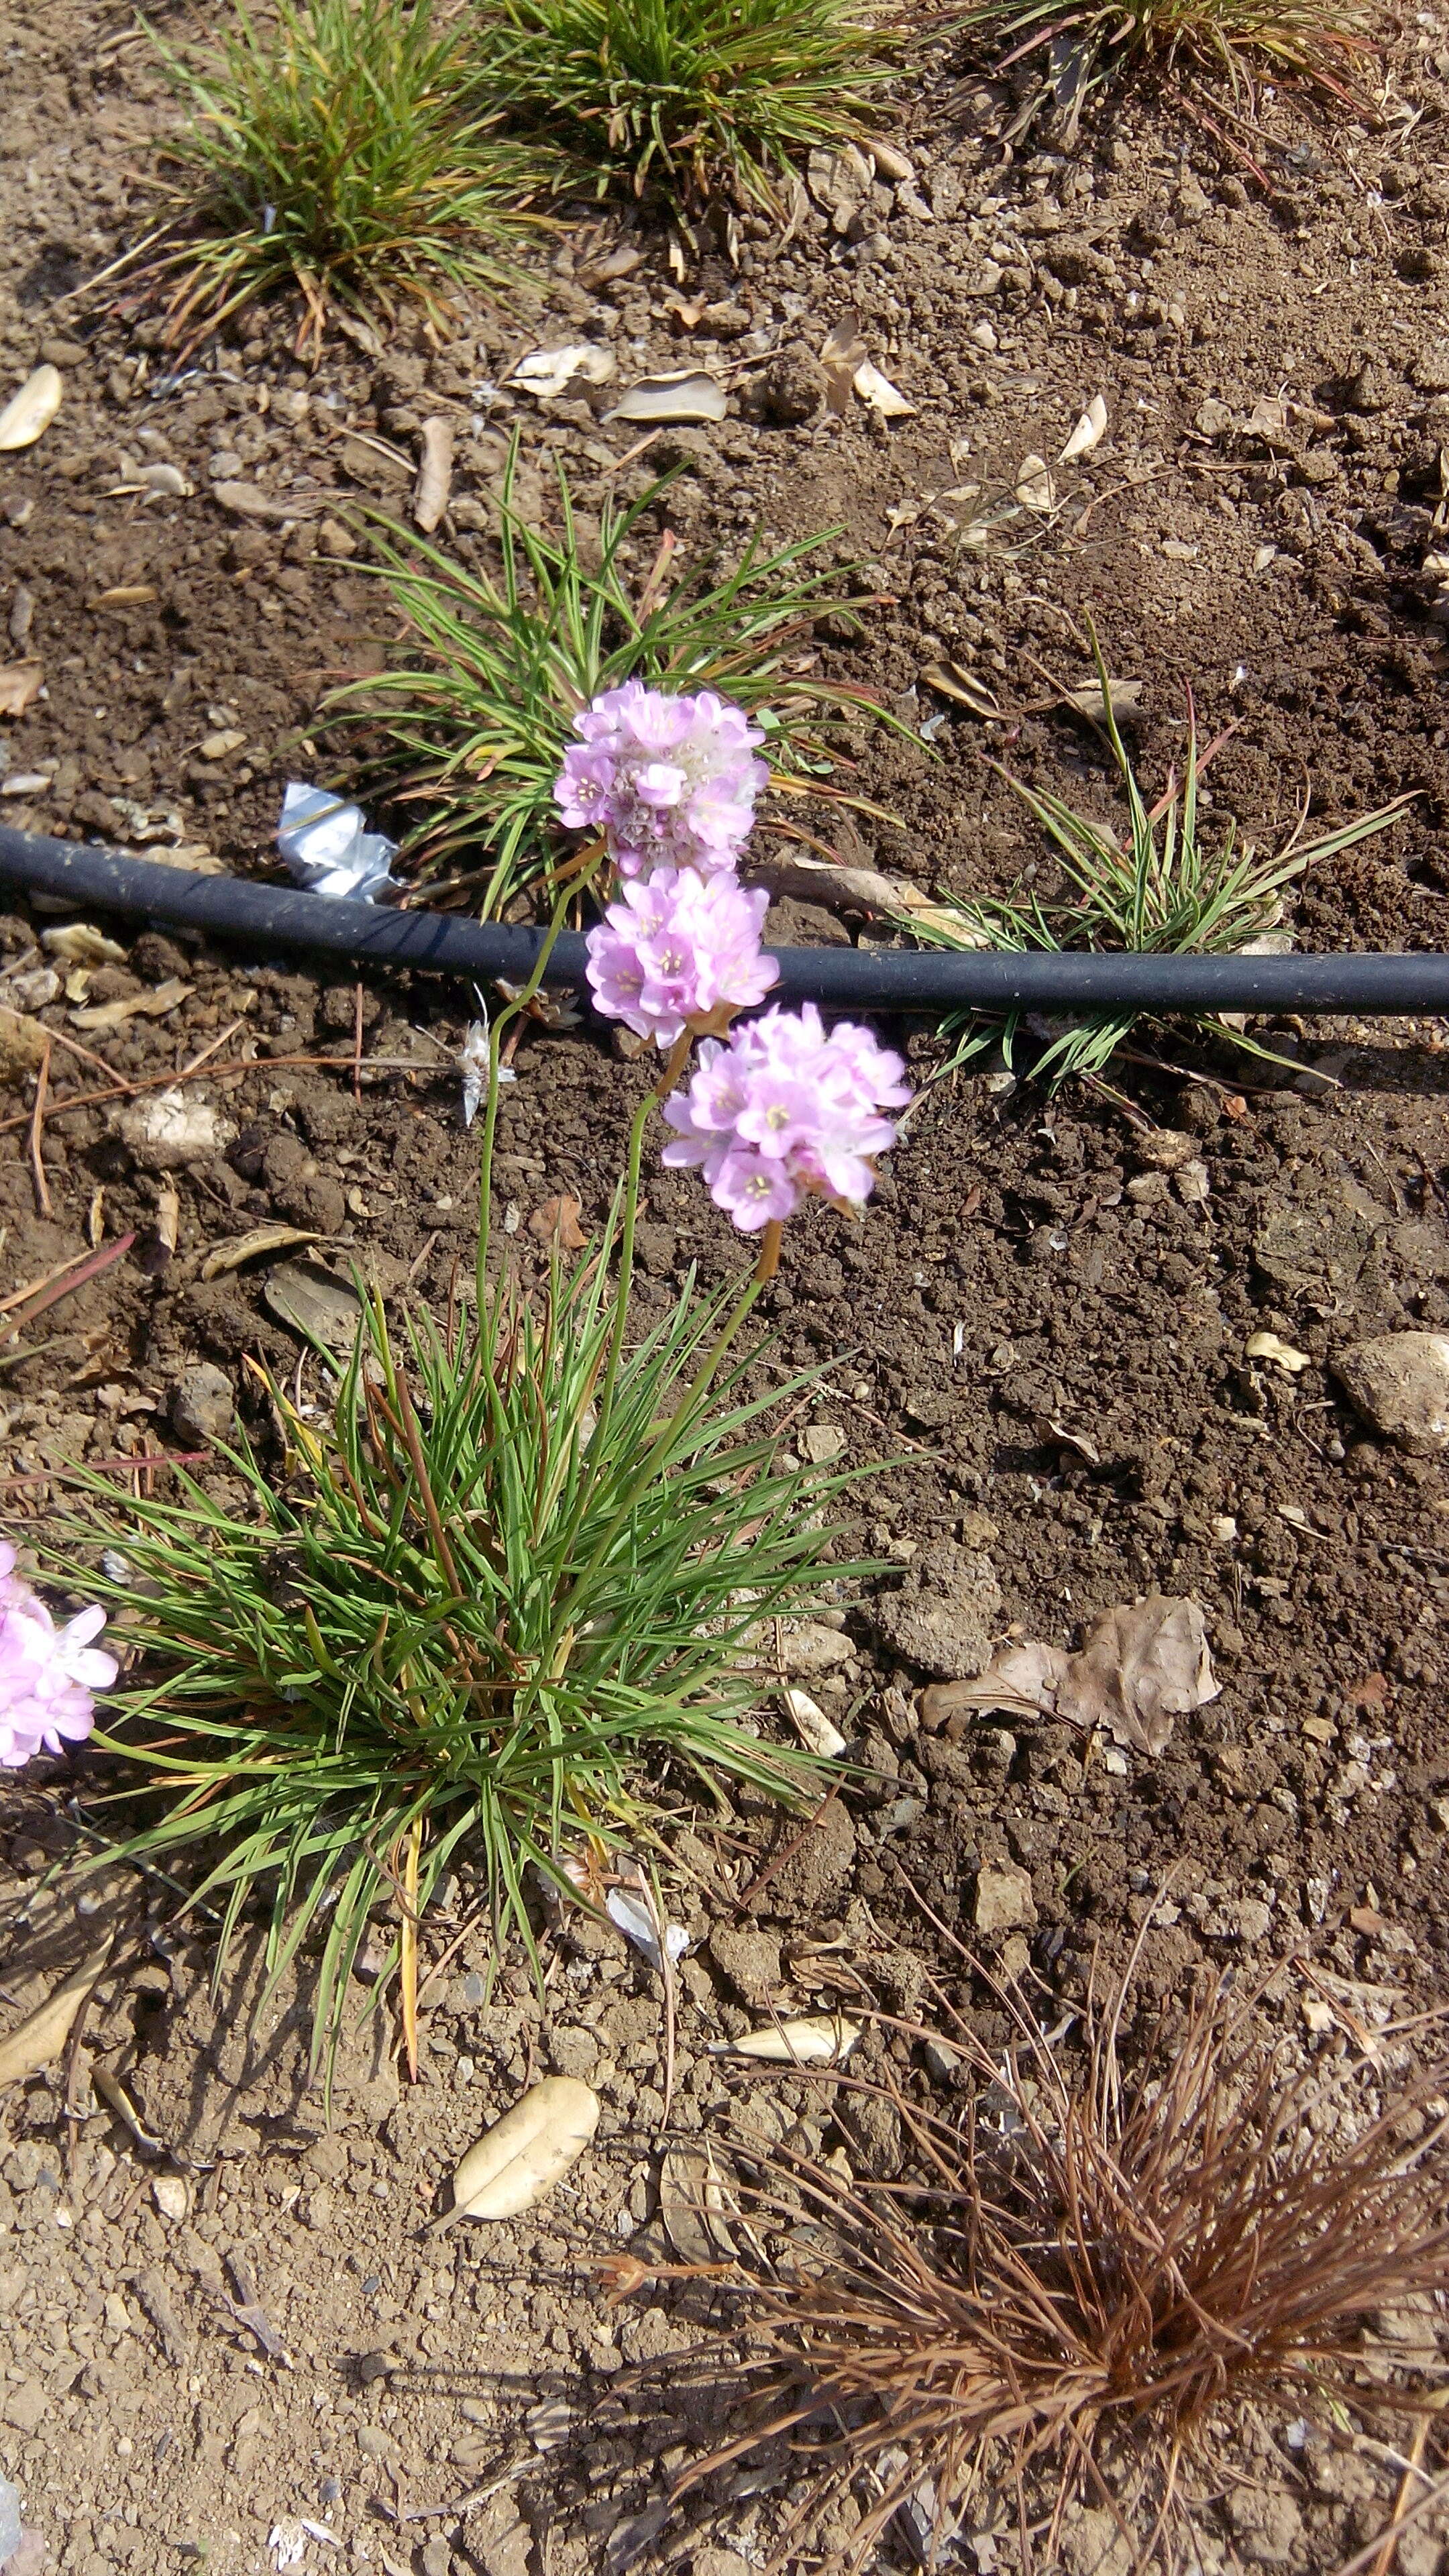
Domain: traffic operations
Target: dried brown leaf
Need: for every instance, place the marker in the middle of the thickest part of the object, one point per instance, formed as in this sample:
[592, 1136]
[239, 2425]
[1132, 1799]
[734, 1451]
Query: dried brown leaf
[557, 1221]
[241, 1248]
[20, 685]
[43, 2033]
[1142, 1666]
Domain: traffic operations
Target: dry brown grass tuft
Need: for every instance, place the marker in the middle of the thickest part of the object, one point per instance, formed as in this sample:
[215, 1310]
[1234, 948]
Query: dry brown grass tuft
[1080, 2282]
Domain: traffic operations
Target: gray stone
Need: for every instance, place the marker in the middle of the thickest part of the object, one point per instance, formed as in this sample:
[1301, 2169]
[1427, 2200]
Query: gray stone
[26, 2407]
[1399, 1382]
[203, 1405]
[573, 2051]
[943, 1619]
[793, 388]
[822, 1443]
[750, 1959]
[814, 1648]
[1004, 1900]
[803, 1887]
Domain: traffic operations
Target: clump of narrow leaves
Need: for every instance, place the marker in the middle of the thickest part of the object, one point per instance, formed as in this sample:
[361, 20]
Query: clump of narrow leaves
[1165, 888]
[694, 98]
[470, 722]
[495, 1604]
[1324, 47]
[331, 152]
[1078, 2281]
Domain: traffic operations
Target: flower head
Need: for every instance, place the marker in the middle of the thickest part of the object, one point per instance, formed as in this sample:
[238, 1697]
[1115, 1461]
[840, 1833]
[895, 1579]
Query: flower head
[785, 1112]
[677, 950]
[47, 1674]
[671, 780]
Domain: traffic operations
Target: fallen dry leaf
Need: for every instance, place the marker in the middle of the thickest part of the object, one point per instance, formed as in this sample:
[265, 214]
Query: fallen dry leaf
[557, 1221]
[31, 411]
[1035, 489]
[547, 373]
[823, 2040]
[881, 394]
[1126, 695]
[1141, 1667]
[79, 943]
[1090, 428]
[524, 2154]
[842, 355]
[967, 691]
[1267, 1346]
[435, 475]
[20, 685]
[241, 1248]
[841, 889]
[148, 1006]
[693, 2204]
[685, 396]
[1268, 419]
[43, 2034]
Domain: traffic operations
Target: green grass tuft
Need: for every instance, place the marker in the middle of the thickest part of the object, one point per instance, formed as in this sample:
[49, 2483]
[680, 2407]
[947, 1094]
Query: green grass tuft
[332, 153]
[1165, 890]
[497, 1601]
[479, 708]
[696, 98]
[1323, 46]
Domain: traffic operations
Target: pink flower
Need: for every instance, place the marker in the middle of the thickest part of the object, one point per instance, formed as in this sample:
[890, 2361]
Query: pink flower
[680, 951]
[671, 780]
[47, 1674]
[785, 1112]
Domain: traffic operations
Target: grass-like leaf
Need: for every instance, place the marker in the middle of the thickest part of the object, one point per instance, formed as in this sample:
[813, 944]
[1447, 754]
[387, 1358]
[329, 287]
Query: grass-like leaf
[331, 152]
[498, 1601]
[1324, 46]
[476, 713]
[1080, 2281]
[691, 97]
[1165, 889]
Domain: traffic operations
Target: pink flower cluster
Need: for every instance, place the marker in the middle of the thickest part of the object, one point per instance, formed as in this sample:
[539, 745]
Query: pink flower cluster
[784, 1112]
[671, 781]
[678, 951]
[47, 1674]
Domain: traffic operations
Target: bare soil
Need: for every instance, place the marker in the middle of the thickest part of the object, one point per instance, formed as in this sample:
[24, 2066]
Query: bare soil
[1042, 1334]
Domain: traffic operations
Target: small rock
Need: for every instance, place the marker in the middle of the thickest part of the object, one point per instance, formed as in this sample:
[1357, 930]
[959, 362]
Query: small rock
[573, 2051]
[335, 540]
[171, 2196]
[26, 2407]
[203, 1404]
[1166, 1149]
[793, 388]
[172, 1128]
[437, 2557]
[821, 1443]
[811, 1648]
[1400, 1383]
[750, 1959]
[1214, 419]
[943, 1620]
[804, 1884]
[1431, 368]
[1004, 1900]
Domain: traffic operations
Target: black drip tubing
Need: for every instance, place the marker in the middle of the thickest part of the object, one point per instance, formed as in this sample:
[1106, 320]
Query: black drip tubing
[269, 918]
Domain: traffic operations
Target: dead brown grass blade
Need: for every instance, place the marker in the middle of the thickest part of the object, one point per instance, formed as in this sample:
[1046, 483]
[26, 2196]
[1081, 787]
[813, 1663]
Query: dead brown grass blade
[1082, 2275]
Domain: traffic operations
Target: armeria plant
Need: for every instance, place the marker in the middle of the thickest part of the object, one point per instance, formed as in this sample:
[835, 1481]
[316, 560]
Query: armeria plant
[468, 725]
[521, 1557]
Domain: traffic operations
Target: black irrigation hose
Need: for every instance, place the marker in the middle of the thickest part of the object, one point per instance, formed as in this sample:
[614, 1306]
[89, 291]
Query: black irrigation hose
[274, 917]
